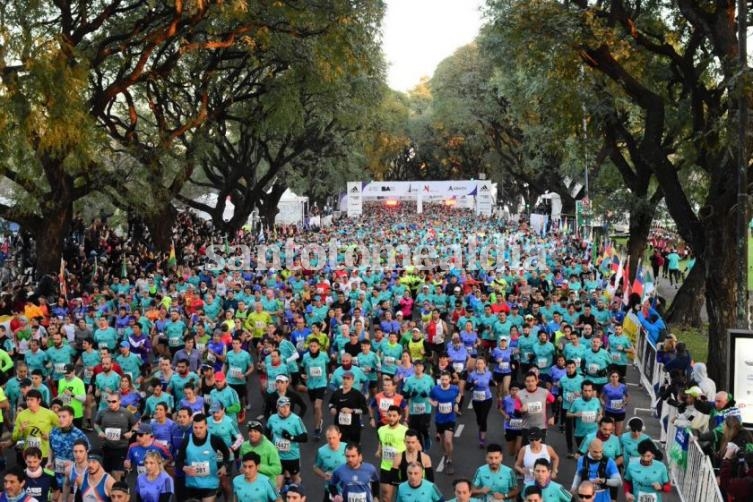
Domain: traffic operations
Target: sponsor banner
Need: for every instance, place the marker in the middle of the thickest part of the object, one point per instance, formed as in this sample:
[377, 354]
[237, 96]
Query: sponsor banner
[426, 188]
[484, 198]
[355, 199]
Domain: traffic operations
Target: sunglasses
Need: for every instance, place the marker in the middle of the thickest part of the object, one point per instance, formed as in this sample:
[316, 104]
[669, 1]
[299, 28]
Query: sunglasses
[585, 496]
[112, 402]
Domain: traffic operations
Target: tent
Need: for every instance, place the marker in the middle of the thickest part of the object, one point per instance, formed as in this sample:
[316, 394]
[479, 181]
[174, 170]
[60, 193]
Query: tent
[292, 209]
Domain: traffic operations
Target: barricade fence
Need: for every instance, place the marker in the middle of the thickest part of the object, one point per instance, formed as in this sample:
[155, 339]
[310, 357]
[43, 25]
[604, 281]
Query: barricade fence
[690, 469]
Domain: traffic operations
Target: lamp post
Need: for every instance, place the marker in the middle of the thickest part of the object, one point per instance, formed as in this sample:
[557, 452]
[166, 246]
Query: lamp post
[742, 169]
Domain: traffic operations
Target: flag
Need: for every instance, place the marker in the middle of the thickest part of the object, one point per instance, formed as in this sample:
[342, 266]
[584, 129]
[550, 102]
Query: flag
[639, 280]
[124, 267]
[227, 247]
[172, 261]
[617, 269]
[626, 281]
[63, 285]
[594, 251]
[262, 239]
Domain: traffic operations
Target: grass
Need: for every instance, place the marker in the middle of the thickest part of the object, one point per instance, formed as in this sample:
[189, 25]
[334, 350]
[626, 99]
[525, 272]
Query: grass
[697, 341]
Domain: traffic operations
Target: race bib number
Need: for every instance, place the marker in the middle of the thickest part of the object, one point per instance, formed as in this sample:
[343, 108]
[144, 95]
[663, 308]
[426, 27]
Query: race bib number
[315, 372]
[419, 408]
[504, 366]
[282, 444]
[569, 397]
[535, 407]
[102, 345]
[577, 362]
[59, 367]
[388, 453]
[389, 361]
[270, 385]
[211, 357]
[515, 424]
[33, 442]
[646, 497]
[344, 418]
[542, 362]
[357, 497]
[479, 395]
[444, 408]
[588, 417]
[384, 404]
[236, 372]
[140, 469]
[161, 442]
[201, 346]
[65, 398]
[616, 356]
[458, 367]
[593, 369]
[60, 465]
[112, 434]
[260, 324]
[174, 342]
[88, 373]
[202, 468]
[616, 404]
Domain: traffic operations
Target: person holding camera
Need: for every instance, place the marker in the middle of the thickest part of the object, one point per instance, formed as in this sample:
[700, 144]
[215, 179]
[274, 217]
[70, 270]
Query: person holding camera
[736, 473]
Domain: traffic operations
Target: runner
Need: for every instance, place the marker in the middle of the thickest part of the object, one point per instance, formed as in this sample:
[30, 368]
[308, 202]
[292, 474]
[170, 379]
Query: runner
[495, 481]
[329, 457]
[204, 458]
[356, 480]
[252, 486]
[287, 431]
[391, 445]
[445, 398]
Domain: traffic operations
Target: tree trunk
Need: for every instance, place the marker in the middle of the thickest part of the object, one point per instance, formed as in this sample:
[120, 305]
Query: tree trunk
[49, 236]
[268, 205]
[160, 224]
[686, 307]
[641, 216]
[721, 286]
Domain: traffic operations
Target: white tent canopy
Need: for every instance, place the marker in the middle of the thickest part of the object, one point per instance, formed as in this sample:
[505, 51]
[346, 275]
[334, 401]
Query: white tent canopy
[292, 208]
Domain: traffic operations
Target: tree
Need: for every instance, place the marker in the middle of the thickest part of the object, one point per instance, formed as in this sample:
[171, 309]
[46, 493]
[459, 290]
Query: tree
[668, 70]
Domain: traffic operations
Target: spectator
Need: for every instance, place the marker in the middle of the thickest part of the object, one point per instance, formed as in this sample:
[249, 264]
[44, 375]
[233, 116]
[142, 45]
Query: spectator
[736, 474]
[700, 377]
[682, 360]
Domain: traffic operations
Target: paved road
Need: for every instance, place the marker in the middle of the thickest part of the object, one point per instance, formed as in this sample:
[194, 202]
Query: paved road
[468, 456]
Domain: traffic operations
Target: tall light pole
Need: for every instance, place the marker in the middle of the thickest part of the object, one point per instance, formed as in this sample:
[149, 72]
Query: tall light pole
[742, 168]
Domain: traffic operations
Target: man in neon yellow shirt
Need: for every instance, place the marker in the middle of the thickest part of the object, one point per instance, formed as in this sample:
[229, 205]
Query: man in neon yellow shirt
[34, 424]
[257, 321]
[71, 391]
[391, 446]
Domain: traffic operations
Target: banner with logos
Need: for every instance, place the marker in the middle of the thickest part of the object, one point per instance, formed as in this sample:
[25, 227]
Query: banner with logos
[427, 189]
[355, 199]
[484, 198]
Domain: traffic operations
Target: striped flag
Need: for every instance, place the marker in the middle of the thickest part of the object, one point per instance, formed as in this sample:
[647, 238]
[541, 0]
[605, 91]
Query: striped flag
[63, 285]
[172, 261]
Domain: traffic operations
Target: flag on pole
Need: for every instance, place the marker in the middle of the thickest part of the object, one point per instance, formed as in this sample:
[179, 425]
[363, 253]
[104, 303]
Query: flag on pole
[262, 239]
[639, 280]
[63, 285]
[617, 269]
[227, 247]
[626, 282]
[172, 261]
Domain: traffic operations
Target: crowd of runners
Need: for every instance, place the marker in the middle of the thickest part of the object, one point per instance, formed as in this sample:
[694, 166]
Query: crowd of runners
[138, 384]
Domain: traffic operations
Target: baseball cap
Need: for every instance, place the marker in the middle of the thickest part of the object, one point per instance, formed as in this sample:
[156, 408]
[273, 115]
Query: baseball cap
[457, 290]
[293, 488]
[144, 429]
[348, 374]
[694, 391]
[529, 316]
[283, 401]
[281, 378]
[534, 433]
[125, 345]
[256, 426]
[219, 376]
[215, 407]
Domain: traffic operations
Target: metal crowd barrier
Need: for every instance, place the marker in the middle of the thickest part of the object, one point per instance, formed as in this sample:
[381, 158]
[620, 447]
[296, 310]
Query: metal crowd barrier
[690, 469]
